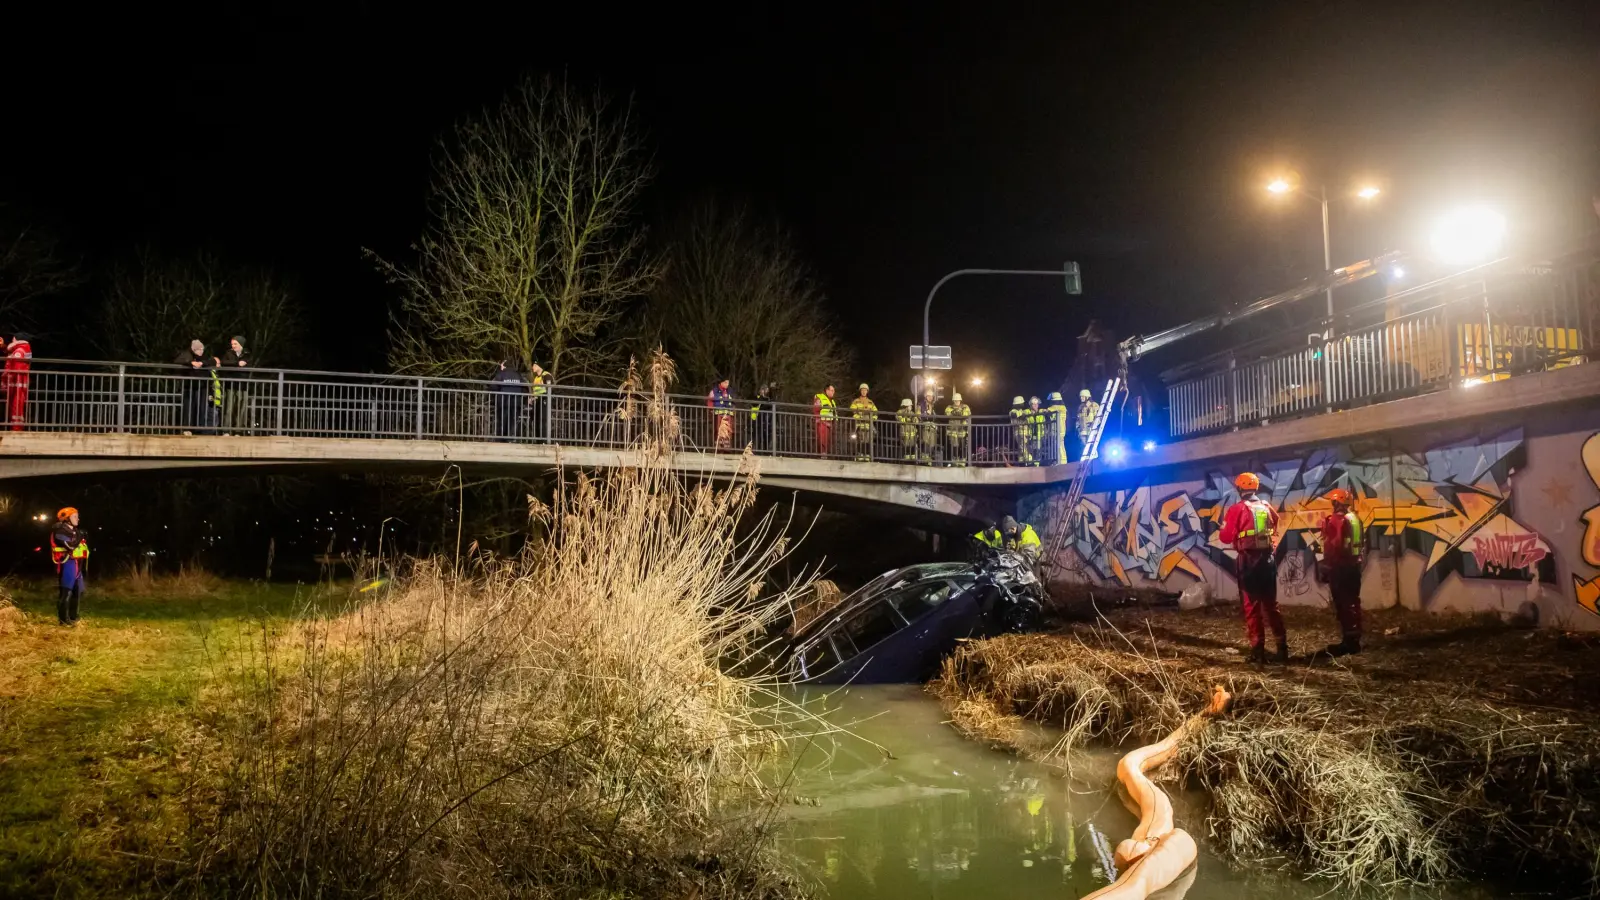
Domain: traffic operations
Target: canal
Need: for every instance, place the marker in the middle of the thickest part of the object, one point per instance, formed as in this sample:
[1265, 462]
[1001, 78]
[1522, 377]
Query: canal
[904, 807]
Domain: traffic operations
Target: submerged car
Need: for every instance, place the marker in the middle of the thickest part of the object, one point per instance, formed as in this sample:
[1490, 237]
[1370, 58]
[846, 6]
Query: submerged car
[901, 624]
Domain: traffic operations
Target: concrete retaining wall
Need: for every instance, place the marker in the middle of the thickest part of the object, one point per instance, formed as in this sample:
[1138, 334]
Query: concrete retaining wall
[1478, 517]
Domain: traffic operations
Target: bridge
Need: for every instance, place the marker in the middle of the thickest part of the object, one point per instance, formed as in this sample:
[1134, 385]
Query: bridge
[1466, 348]
[105, 417]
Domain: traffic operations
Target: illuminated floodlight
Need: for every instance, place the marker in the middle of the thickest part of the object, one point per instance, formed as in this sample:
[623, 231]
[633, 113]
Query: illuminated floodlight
[1368, 192]
[1149, 446]
[1397, 273]
[1469, 235]
[1279, 186]
[1116, 451]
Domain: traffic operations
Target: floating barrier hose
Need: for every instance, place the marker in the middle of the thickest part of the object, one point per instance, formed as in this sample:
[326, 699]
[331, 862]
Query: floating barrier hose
[1157, 853]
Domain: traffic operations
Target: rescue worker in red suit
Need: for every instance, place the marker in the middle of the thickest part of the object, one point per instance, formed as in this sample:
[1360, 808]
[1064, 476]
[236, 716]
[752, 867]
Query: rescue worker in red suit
[69, 550]
[1249, 526]
[1341, 569]
[15, 378]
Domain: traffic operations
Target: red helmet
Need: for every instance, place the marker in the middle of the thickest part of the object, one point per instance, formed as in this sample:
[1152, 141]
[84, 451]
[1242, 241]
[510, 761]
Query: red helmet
[1338, 497]
[1247, 481]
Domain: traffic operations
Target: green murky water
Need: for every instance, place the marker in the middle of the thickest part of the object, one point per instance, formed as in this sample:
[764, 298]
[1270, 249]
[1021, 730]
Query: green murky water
[931, 814]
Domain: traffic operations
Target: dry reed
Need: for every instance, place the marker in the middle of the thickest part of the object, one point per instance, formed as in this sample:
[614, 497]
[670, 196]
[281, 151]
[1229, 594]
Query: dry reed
[1381, 787]
[552, 725]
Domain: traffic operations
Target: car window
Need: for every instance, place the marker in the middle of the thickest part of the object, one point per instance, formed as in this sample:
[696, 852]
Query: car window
[872, 624]
[819, 658]
[919, 599]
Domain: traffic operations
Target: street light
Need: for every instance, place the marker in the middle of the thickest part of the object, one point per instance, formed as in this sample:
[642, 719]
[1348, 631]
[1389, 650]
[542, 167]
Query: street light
[1471, 234]
[1282, 186]
[976, 382]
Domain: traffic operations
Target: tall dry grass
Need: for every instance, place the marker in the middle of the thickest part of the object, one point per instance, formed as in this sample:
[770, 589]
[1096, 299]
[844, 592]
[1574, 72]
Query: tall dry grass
[556, 724]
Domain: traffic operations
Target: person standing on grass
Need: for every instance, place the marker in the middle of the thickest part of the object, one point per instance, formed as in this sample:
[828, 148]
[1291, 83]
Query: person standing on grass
[1342, 537]
[69, 550]
[1249, 526]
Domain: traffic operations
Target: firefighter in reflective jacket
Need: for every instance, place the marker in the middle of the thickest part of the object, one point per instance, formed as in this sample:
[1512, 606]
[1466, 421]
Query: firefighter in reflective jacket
[69, 550]
[960, 416]
[1249, 526]
[822, 408]
[1019, 430]
[866, 414]
[1342, 536]
[1056, 416]
[1036, 427]
[1021, 537]
[909, 431]
[990, 537]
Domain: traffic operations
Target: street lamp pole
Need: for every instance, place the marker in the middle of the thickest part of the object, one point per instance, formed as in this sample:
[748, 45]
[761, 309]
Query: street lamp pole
[928, 306]
[1327, 255]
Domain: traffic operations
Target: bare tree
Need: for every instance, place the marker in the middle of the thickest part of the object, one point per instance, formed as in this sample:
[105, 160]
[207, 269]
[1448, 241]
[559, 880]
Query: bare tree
[737, 302]
[32, 266]
[533, 251]
[153, 307]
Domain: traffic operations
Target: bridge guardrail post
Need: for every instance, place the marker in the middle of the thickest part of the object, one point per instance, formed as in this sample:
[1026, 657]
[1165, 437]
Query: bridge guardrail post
[419, 409]
[122, 398]
[278, 416]
[1233, 391]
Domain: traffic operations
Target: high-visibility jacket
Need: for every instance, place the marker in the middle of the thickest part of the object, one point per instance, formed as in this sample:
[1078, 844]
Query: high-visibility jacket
[758, 406]
[864, 409]
[1056, 415]
[1088, 412]
[1019, 420]
[1035, 423]
[990, 537]
[822, 407]
[960, 419]
[216, 388]
[1026, 540]
[908, 423]
[67, 542]
[537, 386]
[1249, 525]
[1341, 539]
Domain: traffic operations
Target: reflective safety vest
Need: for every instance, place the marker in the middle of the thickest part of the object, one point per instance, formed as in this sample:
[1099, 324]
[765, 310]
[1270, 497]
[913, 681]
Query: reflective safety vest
[720, 401]
[536, 384]
[1088, 411]
[216, 388]
[865, 410]
[960, 418]
[1259, 535]
[989, 537]
[60, 554]
[825, 407]
[1352, 535]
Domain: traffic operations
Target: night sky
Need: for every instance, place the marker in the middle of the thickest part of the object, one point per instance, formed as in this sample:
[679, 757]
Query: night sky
[897, 144]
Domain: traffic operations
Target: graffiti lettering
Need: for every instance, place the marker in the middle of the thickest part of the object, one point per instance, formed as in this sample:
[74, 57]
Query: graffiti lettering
[1450, 504]
[1508, 551]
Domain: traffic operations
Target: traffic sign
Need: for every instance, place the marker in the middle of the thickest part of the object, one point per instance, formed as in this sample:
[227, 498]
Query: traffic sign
[930, 357]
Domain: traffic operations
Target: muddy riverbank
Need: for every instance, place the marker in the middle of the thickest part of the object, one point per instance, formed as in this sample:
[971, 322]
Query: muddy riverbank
[1452, 748]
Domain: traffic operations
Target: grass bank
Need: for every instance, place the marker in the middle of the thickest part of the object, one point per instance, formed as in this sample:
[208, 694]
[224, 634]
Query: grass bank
[1452, 747]
[93, 726]
[558, 724]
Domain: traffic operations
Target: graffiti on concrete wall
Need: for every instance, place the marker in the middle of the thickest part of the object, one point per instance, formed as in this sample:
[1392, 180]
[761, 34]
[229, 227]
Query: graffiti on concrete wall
[1450, 504]
[1588, 589]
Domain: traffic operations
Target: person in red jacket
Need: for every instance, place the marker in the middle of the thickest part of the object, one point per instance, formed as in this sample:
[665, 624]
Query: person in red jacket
[1249, 526]
[1342, 536]
[15, 379]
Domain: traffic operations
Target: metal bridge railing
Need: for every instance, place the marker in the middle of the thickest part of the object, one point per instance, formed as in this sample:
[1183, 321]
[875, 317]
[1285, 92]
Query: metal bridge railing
[1485, 326]
[131, 398]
